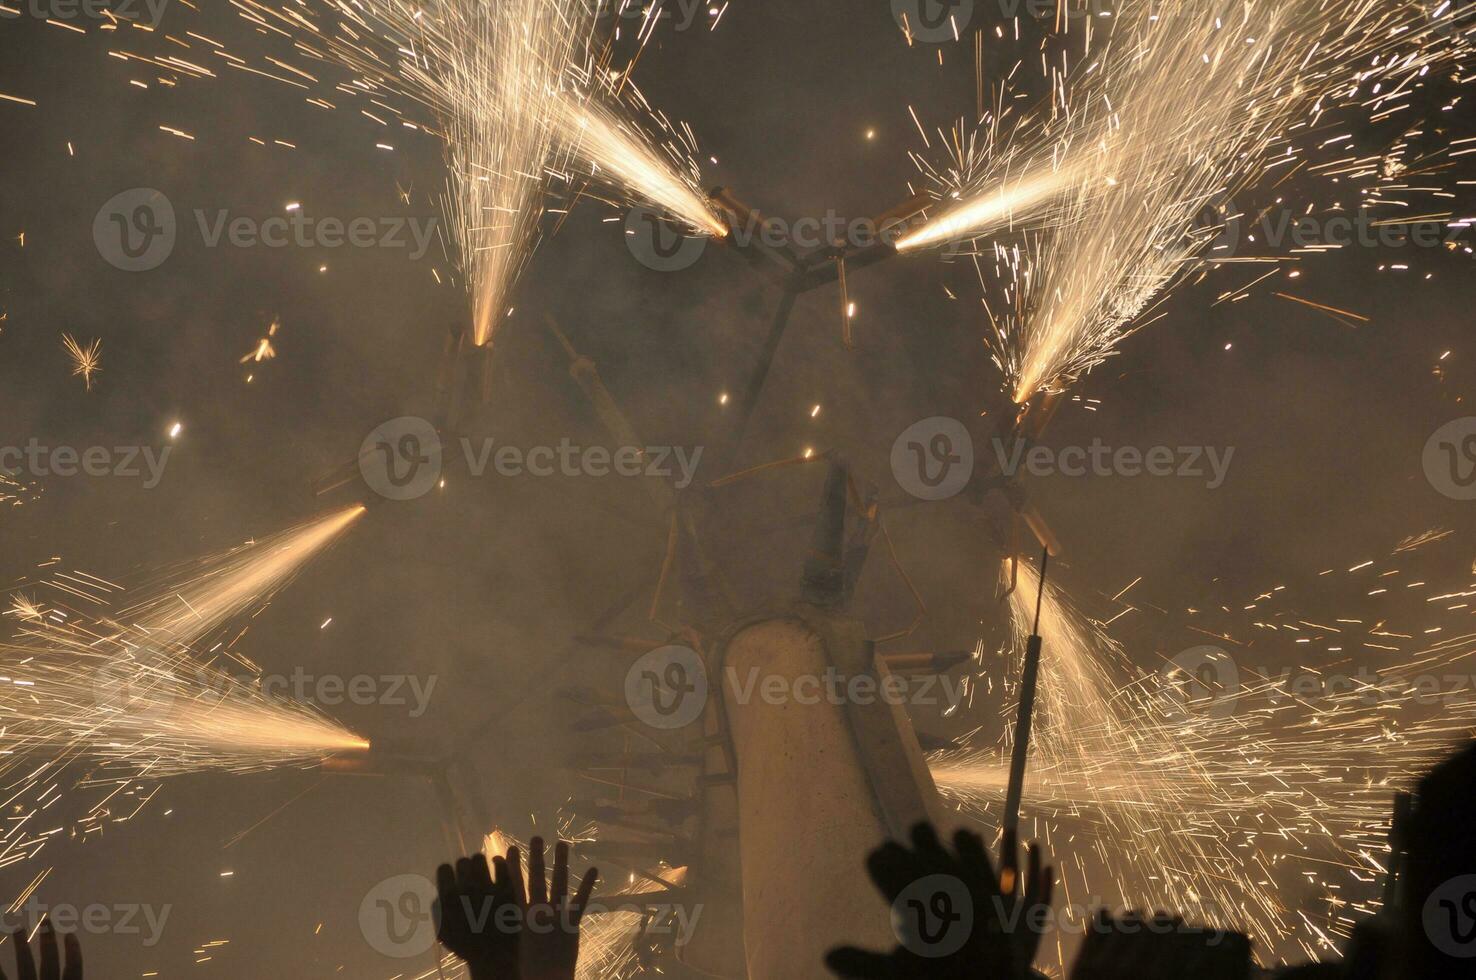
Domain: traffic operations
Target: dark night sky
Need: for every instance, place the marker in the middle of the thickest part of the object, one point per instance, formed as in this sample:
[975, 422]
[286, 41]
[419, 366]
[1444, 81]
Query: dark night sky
[482, 586]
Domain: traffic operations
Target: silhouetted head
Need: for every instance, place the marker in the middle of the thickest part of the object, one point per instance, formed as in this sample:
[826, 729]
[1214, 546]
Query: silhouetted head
[1439, 892]
[1311, 971]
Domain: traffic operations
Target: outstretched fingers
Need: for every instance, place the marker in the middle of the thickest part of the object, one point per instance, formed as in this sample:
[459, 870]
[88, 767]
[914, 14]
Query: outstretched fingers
[481, 873]
[73, 970]
[892, 868]
[50, 961]
[974, 856]
[25, 964]
[560, 888]
[925, 841]
[537, 874]
[466, 875]
[513, 867]
[581, 897]
[445, 881]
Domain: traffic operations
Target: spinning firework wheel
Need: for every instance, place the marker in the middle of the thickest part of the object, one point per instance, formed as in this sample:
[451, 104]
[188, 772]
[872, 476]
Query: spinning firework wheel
[729, 800]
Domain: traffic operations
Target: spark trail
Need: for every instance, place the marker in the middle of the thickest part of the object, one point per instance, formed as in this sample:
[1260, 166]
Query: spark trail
[1231, 801]
[528, 107]
[1178, 108]
[98, 707]
[100, 693]
[196, 598]
[128, 689]
[617, 152]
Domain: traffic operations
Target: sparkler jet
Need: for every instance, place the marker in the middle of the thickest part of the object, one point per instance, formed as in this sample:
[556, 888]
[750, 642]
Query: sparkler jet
[148, 684]
[1091, 271]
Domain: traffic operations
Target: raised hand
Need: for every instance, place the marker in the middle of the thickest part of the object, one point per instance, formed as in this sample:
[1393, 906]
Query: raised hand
[51, 966]
[1160, 947]
[505, 929]
[954, 915]
[479, 917]
[1023, 896]
[549, 946]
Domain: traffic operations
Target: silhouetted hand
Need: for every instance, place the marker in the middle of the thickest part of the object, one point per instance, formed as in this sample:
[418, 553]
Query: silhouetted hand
[51, 967]
[1160, 947]
[478, 916]
[505, 930]
[549, 947]
[954, 916]
[1024, 895]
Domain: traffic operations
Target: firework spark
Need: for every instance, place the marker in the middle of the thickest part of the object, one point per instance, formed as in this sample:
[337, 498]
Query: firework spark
[90, 699]
[196, 599]
[264, 350]
[1119, 769]
[15, 491]
[85, 360]
[1227, 802]
[522, 101]
[118, 696]
[524, 98]
[661, 173]
[24, 607]
[988, 212]
[1123, 166]
[492, 73]
[128, 687]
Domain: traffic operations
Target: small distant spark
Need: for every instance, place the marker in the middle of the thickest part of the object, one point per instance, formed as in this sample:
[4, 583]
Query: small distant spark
[85, 360]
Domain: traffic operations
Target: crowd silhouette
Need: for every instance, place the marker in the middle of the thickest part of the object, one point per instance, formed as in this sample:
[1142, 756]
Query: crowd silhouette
[1426, 931]
[505, 924]
[52, 966]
